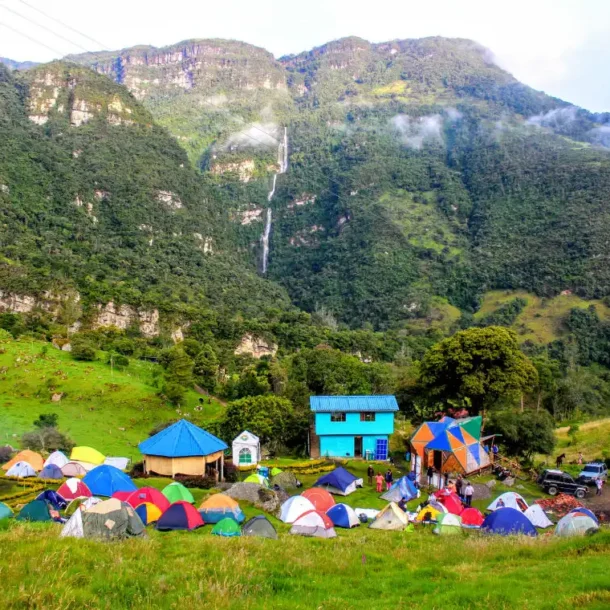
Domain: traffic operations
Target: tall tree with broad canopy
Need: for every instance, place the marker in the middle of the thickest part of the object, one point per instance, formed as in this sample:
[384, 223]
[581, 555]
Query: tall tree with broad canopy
[477, 367]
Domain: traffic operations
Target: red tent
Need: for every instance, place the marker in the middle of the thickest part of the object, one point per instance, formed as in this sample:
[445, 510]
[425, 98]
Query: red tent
[179, 516]
[72, 489]
[122, 495]
[148, 494]
[320, 498]
[450, 501]
[472, 516]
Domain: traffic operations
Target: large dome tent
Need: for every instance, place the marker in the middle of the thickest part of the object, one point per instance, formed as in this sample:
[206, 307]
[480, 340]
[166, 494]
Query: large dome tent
[179, 516]
[145, 494]
[219, 506]
[87, 455]
[339, 482]
[104, 480]
[36, 510]
[73, 469]
[390, 518]
[576, 524]
[510, 499]
[51, 472]
[343, 515]
[227, 527]
[472, 517]
[537, 516]
[176, 492]
[313, 523]
[320, 498]
[31, 457]
[21, 470]
[53, 498]
[506, 521]
[403, 488]
[294, 507]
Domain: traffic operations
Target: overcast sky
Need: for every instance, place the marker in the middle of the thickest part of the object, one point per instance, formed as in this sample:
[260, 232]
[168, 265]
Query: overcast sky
[560, 46]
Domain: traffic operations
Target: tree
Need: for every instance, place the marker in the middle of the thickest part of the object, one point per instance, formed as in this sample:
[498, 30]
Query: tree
[70, 310]
[47, 439]
[523, 433]
[272, 418]
[476, 367]
[178, 365]
[205, 368]
[83, 350]
[174, 392]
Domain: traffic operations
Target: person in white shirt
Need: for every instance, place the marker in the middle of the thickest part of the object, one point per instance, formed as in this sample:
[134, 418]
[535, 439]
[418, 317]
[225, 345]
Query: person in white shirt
[468, 493]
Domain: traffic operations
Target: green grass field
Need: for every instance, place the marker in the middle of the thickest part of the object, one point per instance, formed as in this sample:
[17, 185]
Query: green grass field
[109, 410]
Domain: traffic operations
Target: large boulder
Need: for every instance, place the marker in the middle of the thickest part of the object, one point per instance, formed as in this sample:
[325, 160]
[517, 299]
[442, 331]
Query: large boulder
[266, 499]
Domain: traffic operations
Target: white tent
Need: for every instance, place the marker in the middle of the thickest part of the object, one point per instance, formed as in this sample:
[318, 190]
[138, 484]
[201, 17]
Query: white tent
[57, 458]
[537, 516]
[118, 462]
[294, 507]
[315, 524]
[246, 449]
[21, 470]
[510, 499]
[74, 526]
[390, 518]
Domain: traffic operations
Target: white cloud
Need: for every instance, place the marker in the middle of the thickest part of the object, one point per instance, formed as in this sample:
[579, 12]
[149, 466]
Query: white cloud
[415, 131]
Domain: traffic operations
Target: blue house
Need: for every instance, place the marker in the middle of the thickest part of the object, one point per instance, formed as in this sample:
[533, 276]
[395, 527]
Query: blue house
[352, 426]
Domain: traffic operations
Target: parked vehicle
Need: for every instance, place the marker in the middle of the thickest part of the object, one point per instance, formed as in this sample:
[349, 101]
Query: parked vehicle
[557, 481]
[593, 471]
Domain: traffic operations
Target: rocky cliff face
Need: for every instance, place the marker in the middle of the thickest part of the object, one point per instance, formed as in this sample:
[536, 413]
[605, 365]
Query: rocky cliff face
[79, 95]
[193, 64]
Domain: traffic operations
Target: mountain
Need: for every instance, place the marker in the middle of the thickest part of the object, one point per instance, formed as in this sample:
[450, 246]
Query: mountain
[420, 175]
[99, 202]
[11, 64]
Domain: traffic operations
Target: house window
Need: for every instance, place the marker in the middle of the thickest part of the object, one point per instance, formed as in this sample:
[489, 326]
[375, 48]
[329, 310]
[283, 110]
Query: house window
[245, 456]
[367, 416]
[337, 416]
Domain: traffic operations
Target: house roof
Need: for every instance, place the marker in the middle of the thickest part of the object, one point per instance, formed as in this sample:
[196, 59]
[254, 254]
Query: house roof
[246, 437]
[323, 404]
[182, 439]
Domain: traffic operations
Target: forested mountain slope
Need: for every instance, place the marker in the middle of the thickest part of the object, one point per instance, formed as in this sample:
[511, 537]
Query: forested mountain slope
[97, 198]
[418, 170]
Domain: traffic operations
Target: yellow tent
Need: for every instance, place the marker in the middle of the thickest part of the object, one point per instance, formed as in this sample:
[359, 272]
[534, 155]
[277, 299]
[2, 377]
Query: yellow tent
[219, 502]
[390, 518]
[87, 454]
[35, 460]
[430, 512]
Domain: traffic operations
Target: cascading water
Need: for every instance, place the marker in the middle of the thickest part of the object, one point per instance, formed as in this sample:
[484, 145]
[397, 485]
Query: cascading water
[282, 158]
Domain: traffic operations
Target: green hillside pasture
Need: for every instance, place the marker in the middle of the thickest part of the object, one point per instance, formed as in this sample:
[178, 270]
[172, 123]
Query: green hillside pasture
[361, 568]
[107, 409]
[542, 320]
[592, 438]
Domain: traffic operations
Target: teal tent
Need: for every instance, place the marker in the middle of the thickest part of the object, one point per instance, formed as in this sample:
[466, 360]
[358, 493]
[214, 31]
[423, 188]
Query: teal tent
[37, 510]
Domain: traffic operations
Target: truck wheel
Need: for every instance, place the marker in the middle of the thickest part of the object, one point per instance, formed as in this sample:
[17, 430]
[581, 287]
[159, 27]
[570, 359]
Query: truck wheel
[580, 494]
[552, 490]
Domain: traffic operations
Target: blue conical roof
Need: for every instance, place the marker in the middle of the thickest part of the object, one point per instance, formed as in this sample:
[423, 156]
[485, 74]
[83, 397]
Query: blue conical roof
[182, 439]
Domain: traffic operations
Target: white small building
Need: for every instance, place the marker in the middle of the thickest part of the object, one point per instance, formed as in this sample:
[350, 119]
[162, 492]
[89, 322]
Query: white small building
[246, 449]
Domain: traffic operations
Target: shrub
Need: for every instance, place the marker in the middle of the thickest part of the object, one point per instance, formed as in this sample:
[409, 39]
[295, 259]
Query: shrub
[231, 472]
[5, 453]
[192, 482]
[5, 336]
[82, 350]
[161, 426]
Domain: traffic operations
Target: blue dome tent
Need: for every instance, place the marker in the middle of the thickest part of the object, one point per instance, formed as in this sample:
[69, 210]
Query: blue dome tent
[403, 488]
[52, 498]
[507, 521]
[105, 480]
[339, 481]
[51, 471]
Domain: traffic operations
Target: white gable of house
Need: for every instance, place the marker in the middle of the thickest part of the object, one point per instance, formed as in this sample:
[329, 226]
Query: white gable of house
[249, 442]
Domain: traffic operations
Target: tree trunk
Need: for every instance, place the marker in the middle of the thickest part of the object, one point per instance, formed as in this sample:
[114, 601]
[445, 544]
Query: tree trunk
[521, 403]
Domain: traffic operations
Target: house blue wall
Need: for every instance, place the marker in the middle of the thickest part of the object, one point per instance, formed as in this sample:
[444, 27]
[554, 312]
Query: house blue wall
[383, 425]
[341, 446]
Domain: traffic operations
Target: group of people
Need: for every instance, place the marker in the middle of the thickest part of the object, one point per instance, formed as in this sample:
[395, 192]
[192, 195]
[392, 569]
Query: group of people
[388, 478]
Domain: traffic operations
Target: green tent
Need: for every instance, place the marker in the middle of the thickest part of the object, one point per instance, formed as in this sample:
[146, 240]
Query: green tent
[258, 479]
[285, 480]
[5, 511]
[275, 471]
[176, 492]
[227, 527]
[112, 519]
[38, 510]
[448, 524]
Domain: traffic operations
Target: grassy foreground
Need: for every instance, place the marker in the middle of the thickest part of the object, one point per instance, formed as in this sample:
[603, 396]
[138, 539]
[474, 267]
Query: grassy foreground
[359, 569]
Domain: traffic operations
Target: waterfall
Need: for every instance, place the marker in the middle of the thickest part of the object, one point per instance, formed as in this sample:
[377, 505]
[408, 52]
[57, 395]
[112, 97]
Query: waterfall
[282, 159]
[265, 237]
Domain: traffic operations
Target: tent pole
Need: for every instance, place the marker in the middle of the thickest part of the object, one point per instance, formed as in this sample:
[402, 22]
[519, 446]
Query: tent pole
[222, 467]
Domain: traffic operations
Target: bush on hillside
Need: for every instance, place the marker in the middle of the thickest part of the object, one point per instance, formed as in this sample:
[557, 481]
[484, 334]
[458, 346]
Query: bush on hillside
[47, 439]
[83, 350]
[5, 453]
[173, 392]
[5, 336]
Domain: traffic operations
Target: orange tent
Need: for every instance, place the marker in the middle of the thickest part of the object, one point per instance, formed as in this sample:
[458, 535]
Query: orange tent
[35, 460]
[219, 502]
[320, 498]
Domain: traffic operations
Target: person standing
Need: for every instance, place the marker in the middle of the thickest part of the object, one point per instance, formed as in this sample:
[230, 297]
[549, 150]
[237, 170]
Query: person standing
[430, 474]
[459, 483]
[580, 458]
[468, 493]
[389, 479]
[599, 484]
[379, 481]
[370, 471]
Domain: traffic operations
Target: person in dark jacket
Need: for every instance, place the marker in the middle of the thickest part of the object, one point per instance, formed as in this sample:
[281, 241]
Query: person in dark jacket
[370, 472]
[389, 479]
[430, 475]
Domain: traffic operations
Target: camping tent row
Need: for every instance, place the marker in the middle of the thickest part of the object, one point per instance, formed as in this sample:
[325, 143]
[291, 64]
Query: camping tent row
[57, 465]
